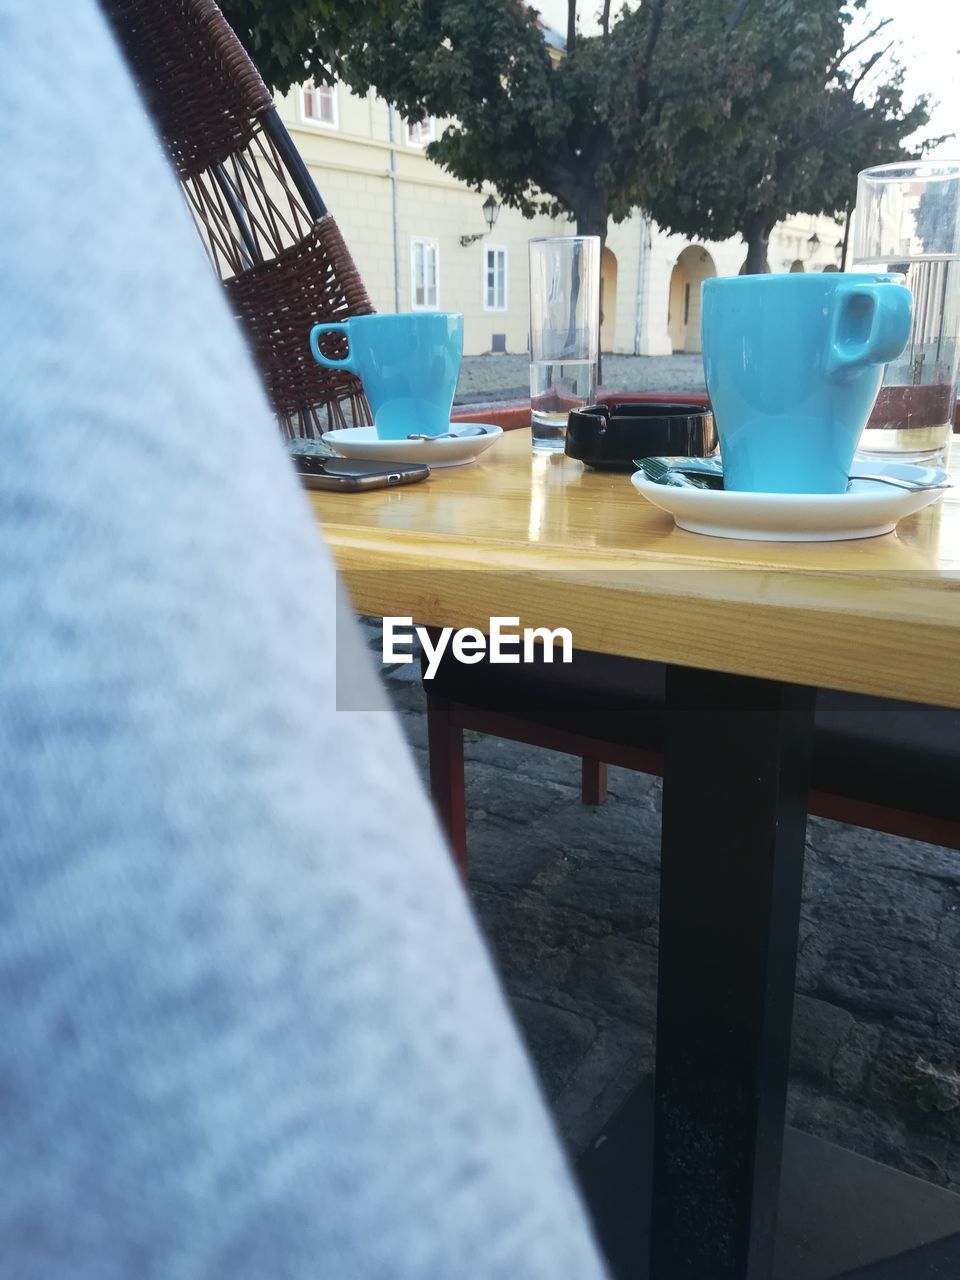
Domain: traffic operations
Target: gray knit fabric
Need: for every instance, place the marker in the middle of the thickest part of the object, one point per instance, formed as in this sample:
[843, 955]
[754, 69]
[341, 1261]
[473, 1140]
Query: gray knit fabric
[248, 1026]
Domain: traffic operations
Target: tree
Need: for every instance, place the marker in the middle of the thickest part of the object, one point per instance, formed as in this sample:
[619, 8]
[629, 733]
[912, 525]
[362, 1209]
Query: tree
[717, 117]
[590, 131]
[938, 218]
[290, 40]
[792, 148]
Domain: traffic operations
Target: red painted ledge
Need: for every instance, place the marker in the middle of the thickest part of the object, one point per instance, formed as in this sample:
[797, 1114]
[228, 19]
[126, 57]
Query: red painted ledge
[511, 414]
[508, 414]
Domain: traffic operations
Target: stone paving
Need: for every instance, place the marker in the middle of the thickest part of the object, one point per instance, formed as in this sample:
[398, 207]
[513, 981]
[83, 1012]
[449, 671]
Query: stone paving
[567, 896]
[504, 377]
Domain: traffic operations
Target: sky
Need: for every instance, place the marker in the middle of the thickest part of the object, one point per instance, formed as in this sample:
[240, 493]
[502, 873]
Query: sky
[928, 34]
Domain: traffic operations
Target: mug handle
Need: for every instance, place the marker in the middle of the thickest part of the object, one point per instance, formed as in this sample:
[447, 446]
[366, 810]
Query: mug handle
[337, 327]
[891, 308]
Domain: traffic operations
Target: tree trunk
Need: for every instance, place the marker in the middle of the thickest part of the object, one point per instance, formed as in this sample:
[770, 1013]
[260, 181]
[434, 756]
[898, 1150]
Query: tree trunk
[846, 238]
[592, 213]
[757, 236]
[592, 217]
[571, 25]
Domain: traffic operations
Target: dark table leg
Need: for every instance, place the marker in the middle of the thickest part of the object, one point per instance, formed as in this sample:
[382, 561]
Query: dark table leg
[734, 815]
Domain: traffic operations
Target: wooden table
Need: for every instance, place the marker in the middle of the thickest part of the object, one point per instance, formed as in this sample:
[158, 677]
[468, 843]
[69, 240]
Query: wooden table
[547, 539]
[750, 630]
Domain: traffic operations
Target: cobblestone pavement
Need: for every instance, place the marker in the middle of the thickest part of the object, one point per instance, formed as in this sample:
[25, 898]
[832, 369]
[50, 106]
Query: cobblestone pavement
[567, 896]
[484, 378]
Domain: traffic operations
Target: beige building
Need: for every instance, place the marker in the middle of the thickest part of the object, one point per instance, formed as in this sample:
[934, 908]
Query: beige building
[405, 218]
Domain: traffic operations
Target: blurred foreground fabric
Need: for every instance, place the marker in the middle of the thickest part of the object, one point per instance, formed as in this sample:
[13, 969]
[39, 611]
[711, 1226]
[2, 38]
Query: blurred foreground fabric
[248, 1026]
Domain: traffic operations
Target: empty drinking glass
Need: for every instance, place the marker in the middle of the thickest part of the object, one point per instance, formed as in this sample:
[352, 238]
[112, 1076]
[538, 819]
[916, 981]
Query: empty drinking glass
[908, 219]
[564, 333]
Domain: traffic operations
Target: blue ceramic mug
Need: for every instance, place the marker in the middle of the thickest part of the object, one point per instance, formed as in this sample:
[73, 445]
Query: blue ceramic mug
[793, 365]
[408, 364]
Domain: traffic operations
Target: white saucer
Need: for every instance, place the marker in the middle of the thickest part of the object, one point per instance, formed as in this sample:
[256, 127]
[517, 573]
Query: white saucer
[867, 509]
[454, 451]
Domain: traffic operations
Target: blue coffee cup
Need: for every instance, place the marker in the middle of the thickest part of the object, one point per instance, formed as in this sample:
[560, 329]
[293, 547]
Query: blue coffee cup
[408, 364]
[793, 365]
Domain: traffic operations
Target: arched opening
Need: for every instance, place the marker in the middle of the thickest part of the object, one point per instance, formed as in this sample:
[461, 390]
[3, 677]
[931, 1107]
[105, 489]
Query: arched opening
[796, 266]
[608, 299]
[693, 266]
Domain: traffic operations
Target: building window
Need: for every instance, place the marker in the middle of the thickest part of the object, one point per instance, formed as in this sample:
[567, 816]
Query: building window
[420, 132]
[494, 278]
[319, 104]
[425, 274]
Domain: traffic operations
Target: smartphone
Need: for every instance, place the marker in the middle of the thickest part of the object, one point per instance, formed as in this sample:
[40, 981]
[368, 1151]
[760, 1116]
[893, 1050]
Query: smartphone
[351, 476]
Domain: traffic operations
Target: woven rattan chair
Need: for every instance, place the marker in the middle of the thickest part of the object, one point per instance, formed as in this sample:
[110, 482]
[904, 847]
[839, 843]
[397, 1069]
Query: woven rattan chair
[267, 232]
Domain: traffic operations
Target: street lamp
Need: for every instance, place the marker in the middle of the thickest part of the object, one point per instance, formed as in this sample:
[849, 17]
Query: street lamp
[491, 211]
[813, 244]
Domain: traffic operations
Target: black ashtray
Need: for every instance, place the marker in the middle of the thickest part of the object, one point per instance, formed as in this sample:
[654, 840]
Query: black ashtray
[609, 437]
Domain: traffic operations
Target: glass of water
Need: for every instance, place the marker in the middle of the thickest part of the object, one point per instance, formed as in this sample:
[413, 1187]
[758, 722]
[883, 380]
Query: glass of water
[564, 333]
[908, 220]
